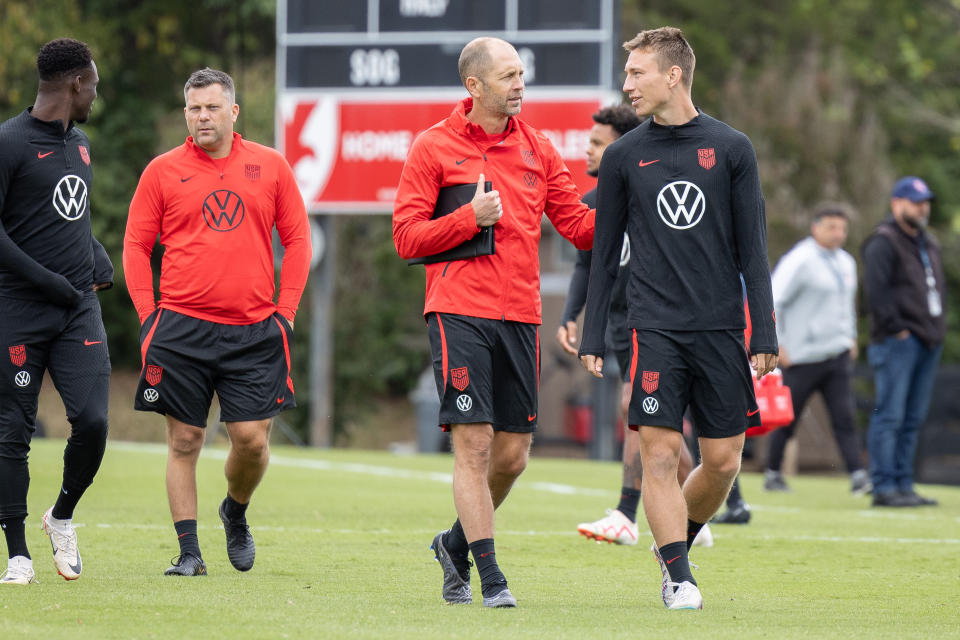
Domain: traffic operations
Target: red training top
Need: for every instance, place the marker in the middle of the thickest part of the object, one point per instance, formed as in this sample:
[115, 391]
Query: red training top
[532, 180]
[215, 219]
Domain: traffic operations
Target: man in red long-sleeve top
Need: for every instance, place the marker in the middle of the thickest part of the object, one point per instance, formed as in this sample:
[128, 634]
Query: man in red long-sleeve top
[214, 201]
[483, 313]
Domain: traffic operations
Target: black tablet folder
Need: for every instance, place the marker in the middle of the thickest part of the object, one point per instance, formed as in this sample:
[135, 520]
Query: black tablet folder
[449, 200]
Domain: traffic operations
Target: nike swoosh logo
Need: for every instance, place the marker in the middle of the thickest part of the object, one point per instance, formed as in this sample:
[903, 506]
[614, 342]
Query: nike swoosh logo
[672, 559]
[531, 418]
[753, 413]
[484, 555]
[87, 343]
[182, 179]
[458, 161]
[280, 399]
[43, 155]
[647, 164]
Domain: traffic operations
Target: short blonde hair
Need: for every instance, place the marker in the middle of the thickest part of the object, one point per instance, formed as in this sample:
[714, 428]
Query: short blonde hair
[671, 49]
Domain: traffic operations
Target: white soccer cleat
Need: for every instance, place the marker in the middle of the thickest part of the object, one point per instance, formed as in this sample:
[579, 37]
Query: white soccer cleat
[666, 591]
[704, 538]
[685, 595]
[63, 541]
[19, 571]
[615, 528]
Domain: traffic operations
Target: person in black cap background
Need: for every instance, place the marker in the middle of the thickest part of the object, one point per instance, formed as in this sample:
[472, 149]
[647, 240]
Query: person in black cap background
[904, 285]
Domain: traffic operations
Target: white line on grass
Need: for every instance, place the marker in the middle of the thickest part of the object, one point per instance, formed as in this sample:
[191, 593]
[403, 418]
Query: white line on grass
[528, 532]
[365, 469]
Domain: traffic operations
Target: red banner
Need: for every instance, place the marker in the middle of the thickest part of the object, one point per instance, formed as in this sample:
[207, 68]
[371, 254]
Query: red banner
[348, 155]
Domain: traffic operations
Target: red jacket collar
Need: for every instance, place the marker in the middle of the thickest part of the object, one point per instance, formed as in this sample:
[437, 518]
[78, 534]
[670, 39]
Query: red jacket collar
[234, 149]
[461, 123]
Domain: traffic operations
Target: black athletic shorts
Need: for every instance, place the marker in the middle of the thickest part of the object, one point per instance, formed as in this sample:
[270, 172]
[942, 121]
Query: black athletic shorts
[709, 370]
[486, 371]
[186, 359]
[70, 343]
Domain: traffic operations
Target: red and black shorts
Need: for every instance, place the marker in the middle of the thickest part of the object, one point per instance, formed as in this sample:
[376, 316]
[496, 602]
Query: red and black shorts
[486, 371]
[186, 359]
[707, 370]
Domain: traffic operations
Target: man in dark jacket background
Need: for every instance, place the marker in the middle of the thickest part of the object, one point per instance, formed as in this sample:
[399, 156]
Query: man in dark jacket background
[904, 283]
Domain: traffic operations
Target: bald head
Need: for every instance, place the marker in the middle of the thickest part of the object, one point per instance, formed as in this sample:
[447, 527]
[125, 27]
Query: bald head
[478, 55]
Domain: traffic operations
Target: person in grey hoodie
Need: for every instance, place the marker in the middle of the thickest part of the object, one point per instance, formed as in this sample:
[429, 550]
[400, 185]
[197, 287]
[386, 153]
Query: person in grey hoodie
[814, 293]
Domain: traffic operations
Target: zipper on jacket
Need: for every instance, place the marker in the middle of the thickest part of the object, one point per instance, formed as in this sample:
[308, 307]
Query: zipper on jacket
[444, 274]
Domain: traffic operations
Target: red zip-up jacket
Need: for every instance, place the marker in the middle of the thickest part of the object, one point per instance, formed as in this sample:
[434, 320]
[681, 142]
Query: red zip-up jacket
[215, 219]
[532, 180]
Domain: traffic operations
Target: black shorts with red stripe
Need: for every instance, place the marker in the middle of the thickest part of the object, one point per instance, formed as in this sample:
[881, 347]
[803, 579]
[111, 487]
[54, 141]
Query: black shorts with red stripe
[487, 371]
[186, 359]
[707, 370]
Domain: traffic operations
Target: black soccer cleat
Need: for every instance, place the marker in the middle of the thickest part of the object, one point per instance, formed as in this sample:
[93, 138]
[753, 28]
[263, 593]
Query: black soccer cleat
[240, 547]
[736, 514]
[186, 565]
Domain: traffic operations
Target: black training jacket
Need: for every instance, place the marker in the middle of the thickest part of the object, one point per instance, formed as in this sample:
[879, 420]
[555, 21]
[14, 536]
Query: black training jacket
[47, 249]
[618, 333]
[689, 198]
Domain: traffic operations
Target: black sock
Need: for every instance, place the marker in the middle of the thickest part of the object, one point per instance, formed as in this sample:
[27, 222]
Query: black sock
[66, 503]
[456, 545]
[693, 528]
[233, 509]
[735, 497]
[455, 541]
[15, 531]
[187, 537]
[492, 580]
[629, 499]
[677, 561]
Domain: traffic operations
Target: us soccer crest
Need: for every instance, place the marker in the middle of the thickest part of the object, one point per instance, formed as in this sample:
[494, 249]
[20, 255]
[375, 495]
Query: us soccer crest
[18, 355]
[84, 154]
[707, 158]
[650, 381]
[153, 375]
[459, 378]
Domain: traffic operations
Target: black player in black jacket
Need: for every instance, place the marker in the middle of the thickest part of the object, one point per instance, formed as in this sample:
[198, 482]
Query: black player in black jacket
[50, 266]
[685, 187]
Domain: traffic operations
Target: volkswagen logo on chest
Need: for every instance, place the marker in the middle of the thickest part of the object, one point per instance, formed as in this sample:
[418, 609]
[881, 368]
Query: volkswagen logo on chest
[681, 204]
[70, 197]
[223, 210]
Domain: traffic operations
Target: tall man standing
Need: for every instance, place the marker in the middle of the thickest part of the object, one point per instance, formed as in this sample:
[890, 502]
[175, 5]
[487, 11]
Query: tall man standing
[214, 201]
[483, 313]
[686, 189]
[814, 294]
[50, 267]
[619, 526]
[905, 286]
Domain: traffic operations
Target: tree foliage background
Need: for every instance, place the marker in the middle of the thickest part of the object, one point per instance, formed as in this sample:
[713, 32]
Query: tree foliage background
[839, 97]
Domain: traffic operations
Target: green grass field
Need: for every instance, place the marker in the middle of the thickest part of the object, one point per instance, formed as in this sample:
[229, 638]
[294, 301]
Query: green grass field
[342, 552]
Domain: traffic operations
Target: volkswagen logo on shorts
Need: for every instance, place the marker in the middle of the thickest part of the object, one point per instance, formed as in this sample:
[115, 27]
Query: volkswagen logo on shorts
[650, 405]
[70, 197]
[22, 378]
[464, 403]
[681, 204]
[151, 395]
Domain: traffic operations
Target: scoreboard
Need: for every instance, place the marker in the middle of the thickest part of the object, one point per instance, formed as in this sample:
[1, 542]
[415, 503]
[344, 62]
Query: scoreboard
[358, 80]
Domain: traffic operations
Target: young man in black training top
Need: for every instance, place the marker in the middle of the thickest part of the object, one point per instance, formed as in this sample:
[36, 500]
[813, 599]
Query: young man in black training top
[686, 189]
[50, 267]
[619, 526]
